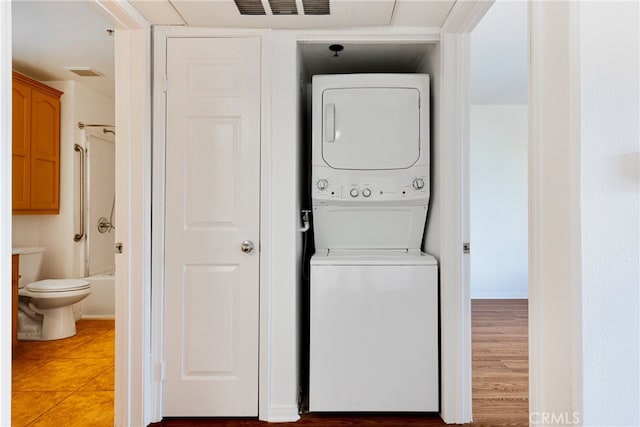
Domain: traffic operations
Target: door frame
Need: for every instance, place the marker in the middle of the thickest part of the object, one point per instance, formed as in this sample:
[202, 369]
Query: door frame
[132, 54]
[157, 232]
[5, 212]
[133, 212]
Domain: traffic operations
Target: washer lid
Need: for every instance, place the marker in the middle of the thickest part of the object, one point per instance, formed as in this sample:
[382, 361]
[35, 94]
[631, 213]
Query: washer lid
[58, 285]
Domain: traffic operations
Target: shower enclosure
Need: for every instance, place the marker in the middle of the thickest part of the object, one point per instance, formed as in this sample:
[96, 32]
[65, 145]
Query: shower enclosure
[96, 224]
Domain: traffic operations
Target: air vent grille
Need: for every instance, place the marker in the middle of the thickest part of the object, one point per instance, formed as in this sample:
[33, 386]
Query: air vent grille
[316, 7]
[84, 71]
[250, 7]
[283, 7]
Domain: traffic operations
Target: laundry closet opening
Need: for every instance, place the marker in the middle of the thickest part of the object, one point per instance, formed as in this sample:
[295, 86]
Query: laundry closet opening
[317, 58]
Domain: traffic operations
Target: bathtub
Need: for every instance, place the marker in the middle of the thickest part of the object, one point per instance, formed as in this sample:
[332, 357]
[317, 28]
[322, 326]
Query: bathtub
[101, 304]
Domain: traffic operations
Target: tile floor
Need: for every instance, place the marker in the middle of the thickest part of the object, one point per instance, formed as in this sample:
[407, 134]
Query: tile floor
[66, 382]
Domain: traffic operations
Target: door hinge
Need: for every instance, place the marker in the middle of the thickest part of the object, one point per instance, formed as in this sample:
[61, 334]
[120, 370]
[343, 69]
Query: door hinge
[165, 83]
[119, 248]
[466, 248]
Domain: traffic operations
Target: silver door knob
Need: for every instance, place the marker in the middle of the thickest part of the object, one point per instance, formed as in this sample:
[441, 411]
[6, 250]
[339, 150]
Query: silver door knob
[246, 246]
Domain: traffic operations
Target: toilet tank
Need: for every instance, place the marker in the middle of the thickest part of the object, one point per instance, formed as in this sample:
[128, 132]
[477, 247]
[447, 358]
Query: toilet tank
[29, 264]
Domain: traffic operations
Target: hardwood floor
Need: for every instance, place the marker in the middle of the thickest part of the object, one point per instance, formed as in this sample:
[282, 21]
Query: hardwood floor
[500, 379]
[500, 365]
[85, 396]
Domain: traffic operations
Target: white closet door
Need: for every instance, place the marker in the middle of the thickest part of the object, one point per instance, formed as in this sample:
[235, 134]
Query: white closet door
[212, 207]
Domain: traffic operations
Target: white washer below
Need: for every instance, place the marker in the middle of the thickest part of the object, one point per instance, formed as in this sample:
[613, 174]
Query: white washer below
[374, 331]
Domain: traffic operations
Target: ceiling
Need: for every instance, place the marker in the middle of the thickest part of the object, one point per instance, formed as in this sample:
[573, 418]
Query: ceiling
[49, 35]
[362, 57]
[343, 13]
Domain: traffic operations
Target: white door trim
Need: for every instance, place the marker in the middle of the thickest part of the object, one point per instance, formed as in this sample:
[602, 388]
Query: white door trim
[555, 282]
[133, 213]
[159, 63]
[455, 320]
[5, 212]
[455, 298]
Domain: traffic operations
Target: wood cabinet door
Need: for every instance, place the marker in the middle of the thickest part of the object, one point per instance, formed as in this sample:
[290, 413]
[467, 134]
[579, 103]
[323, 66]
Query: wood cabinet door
[35, 147]
[21, 145]
[45, 152]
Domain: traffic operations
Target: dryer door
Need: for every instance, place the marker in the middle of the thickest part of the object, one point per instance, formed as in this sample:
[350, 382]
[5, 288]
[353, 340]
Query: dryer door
[371, 128]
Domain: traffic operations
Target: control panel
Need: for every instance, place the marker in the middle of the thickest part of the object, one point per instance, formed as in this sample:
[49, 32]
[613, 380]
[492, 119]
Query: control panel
[367, 186]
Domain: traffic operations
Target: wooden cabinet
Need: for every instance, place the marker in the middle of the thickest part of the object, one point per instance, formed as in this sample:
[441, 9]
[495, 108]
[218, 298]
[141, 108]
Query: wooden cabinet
[15, 276]
[36, 147]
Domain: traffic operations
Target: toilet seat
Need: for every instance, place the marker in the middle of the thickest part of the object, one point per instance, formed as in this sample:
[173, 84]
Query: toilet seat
[57, 285]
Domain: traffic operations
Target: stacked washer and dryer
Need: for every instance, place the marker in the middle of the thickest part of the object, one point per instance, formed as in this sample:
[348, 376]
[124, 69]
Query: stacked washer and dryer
[374, 293]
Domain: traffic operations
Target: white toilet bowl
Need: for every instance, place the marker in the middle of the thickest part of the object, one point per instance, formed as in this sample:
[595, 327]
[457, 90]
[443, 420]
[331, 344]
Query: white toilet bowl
[45, 309]
[48, 304]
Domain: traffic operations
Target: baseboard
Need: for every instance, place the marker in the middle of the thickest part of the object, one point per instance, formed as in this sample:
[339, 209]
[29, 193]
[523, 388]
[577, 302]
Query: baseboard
[282, 414]
[98, 317]
[500, 295]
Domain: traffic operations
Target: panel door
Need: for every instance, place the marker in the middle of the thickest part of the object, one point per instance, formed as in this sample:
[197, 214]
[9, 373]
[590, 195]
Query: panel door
[371, 128]
[212, 206]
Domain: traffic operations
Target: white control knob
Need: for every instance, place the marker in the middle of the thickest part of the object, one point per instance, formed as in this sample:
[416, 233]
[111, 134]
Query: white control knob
[354, 192]
[418, 183]
[322, 184]
[366, 192]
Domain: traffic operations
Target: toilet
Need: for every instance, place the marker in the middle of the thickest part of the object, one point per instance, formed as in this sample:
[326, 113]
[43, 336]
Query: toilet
[45, 306]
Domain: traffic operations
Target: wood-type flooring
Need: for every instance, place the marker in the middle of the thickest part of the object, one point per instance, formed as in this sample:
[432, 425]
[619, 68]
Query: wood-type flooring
[70, 382]
[500, 379]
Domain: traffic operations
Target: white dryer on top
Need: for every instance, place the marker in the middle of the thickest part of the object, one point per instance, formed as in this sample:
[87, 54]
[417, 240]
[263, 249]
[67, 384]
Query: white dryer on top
[370, 160]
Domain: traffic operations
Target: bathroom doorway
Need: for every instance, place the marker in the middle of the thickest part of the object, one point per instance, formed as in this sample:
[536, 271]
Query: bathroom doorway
[41, 33]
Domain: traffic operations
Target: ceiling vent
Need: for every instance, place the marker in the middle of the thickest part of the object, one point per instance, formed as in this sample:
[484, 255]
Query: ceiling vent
[316, 7]
[250, 7]
[283, 7]
[84, 71]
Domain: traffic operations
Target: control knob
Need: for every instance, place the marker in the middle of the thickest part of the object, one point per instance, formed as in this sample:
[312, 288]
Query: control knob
[418, 183]
[354, 192]
[322, 184]
[366, 192]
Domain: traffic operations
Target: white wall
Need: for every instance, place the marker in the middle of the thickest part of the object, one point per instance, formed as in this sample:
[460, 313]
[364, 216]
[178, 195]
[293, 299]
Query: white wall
[285, 265]
[610, 206]
[498, 184]
[498, 137]
[585, 204]
[64, 257]
[499, 58]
